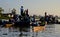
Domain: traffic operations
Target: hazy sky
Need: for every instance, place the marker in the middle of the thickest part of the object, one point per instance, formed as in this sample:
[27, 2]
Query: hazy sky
[37, 7]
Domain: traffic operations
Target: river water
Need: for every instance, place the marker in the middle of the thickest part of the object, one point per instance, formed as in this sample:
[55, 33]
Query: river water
[50, 31]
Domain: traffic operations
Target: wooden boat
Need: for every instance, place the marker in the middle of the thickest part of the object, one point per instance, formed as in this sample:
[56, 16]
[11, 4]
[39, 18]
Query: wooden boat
[38, 28]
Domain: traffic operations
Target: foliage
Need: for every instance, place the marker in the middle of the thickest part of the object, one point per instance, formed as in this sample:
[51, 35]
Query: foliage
[4, 17]
[1, 9]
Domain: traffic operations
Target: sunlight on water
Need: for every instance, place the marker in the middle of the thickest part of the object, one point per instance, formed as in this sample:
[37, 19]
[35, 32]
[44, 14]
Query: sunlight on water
[50, 31]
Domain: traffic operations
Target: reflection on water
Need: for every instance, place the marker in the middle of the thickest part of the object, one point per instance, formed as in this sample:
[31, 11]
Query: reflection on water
[50, 31]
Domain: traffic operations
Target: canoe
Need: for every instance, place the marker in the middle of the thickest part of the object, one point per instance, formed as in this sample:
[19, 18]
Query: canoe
[38, 28]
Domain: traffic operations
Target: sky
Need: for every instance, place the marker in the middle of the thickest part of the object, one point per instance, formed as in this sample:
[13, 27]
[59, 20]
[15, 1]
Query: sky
[37, 7]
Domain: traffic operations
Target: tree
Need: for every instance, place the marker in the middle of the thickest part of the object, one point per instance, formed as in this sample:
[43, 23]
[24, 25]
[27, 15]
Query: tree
[1, 9]
[13, 11]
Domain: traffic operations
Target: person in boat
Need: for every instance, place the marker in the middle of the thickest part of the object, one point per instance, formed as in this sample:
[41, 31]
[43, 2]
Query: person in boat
[42, 21]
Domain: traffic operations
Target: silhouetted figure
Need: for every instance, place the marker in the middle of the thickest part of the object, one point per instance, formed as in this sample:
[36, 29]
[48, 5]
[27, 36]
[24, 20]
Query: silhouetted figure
[1, 22]
[45, 14]
[22, 10]
[15, 17]
[27, 12]
[20, 17]
[42, 21]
